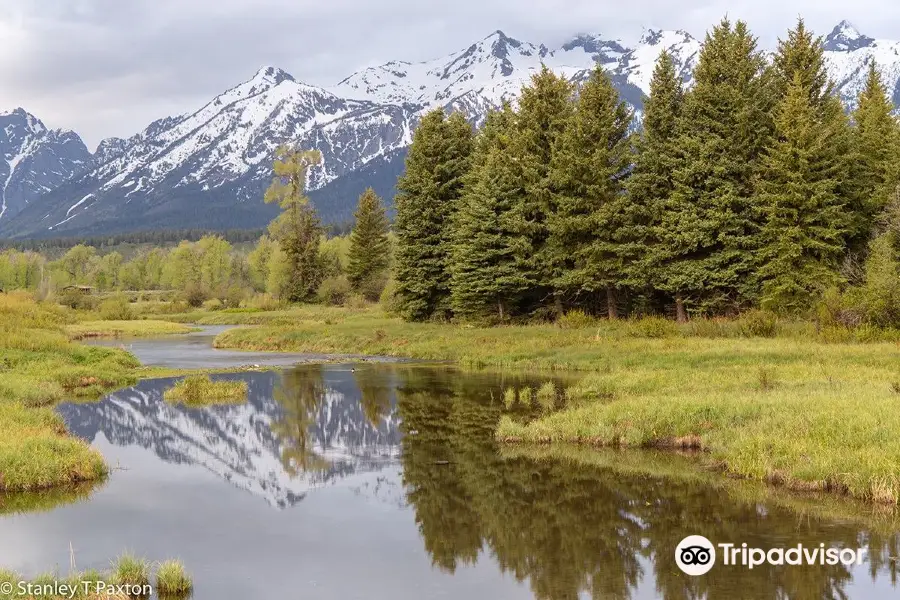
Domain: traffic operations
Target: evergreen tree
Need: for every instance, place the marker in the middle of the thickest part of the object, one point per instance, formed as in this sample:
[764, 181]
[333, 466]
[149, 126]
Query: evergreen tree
[710, 225]
[876, 138]
[803, 55]
[805, 221]
[485, 276]
[544, 109]
[588, 167]
[427, 195]
[650, 184]
[369, 254]
[297, 229]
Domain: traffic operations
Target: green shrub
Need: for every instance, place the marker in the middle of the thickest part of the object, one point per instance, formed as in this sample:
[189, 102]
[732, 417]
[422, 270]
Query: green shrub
[390, 303]
[879, 297]
[653, 327]
[264, 302]
[372, 288]
[213, 304]
[758, 323]
[117, 308]
[334, 290]
[77, 299]
[194, 295]
[576, 319]
[234, 296]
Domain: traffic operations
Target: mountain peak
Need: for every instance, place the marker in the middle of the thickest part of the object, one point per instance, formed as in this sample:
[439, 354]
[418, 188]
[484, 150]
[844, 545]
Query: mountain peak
[846, 37]
[271, 75]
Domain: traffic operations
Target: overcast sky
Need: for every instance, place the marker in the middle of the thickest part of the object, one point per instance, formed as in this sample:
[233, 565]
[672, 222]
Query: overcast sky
[109, 67]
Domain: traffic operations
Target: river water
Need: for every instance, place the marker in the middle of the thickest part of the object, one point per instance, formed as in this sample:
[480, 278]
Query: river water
[370, 481]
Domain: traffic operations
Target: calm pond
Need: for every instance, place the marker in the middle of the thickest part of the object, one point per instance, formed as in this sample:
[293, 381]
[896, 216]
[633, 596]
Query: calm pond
[383, 481]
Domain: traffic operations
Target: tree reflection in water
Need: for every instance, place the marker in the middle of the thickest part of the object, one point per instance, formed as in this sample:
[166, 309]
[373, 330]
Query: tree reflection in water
[568, 527]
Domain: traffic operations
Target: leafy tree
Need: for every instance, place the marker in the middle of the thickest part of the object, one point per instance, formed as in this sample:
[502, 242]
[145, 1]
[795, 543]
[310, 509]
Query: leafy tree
[650, 184]
[805, 221]
[876, 138]
[485, 275]
[215, 264]
[76, 263]
[369, 255]
[259, 262]
[588, 167]
[106, 275]
[297, 229]
[545, 106]
[710, 225]
[428, 192]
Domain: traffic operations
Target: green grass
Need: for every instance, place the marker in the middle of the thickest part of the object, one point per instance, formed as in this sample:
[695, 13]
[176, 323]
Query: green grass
[767, 400]
[40, 365]
[131, 571]
[200, 390]
[172, 580]
[117, 329]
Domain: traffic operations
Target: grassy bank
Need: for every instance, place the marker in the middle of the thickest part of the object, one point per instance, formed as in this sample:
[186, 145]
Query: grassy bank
[39, 366]
[784, 403]
[117, 329]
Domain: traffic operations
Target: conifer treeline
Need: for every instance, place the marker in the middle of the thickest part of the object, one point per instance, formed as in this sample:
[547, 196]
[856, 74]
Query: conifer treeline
[749, 189]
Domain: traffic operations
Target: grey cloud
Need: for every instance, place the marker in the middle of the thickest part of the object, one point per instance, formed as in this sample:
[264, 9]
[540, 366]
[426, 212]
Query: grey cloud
[108, 67]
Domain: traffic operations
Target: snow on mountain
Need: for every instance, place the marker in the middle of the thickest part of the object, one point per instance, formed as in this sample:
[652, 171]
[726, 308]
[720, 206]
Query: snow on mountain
[849, 54]
[209, 167]
[240, 443]
[34, 160]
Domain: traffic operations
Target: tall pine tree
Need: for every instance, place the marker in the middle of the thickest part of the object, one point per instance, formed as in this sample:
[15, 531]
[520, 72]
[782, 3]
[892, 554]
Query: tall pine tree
[588, 167]
[427, 195]
[486, 279]
[876, 138]
[545, 106]
[710, 224]
[650, 184]
[805, 221]
[369, 254]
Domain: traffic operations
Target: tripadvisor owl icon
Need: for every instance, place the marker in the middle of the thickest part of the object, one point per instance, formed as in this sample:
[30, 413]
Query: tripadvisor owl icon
[695, 555]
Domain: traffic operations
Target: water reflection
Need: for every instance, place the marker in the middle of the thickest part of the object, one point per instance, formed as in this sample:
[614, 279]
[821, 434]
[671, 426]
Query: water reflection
[293, 434]
[571, 528]
[583, 524]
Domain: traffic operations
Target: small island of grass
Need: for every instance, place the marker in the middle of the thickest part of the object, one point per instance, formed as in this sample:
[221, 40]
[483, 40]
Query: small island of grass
[200, 390]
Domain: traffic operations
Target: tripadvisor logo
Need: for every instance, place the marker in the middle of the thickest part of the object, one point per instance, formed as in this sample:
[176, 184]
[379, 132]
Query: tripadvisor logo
[696, 555]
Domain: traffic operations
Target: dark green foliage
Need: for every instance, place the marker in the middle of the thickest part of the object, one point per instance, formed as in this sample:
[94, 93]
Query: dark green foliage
[486, 279]
[588, 167]
[710, 226]
[805, 222]
[650, 184]
[369, 255]
[428, 193]
[297, 230]
[876, 139]
[544, 109]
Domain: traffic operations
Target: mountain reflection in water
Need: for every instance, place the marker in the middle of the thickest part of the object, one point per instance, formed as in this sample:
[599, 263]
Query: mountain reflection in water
[597, 525]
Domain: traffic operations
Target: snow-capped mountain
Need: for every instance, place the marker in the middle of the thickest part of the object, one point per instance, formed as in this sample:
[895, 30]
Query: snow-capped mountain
[209, 168]
[849, 53]
[35, 160]
[242, 443]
